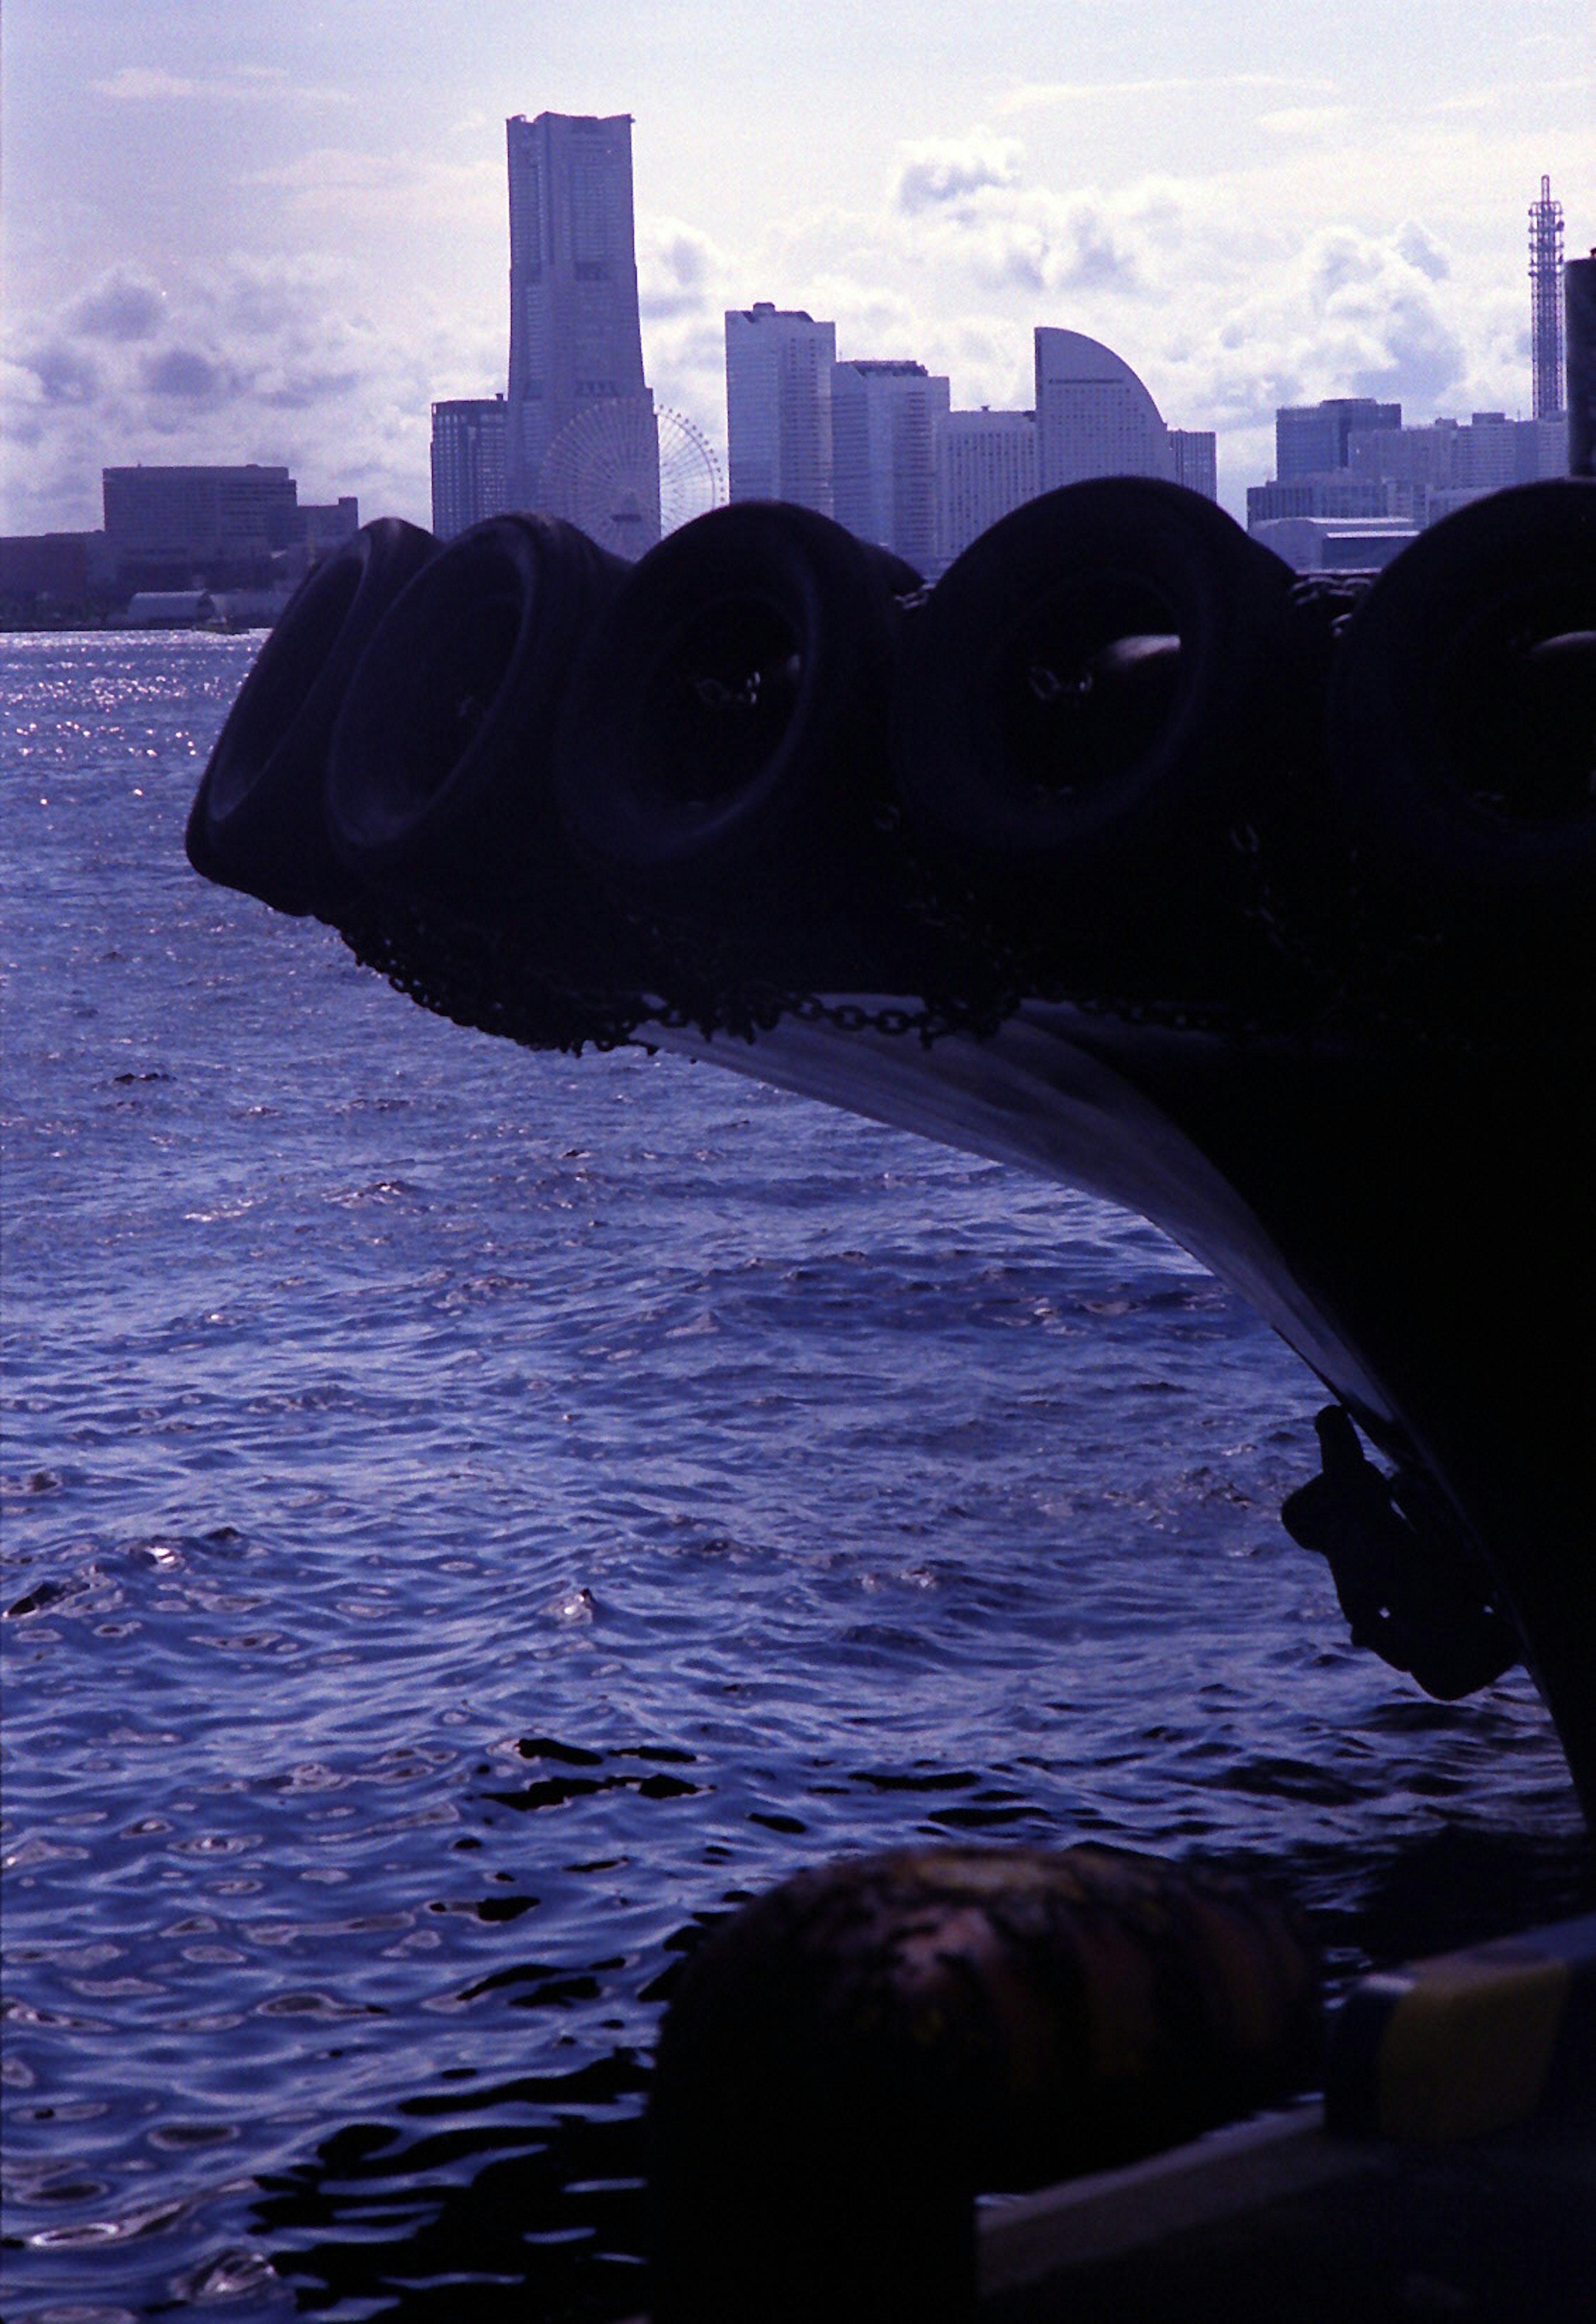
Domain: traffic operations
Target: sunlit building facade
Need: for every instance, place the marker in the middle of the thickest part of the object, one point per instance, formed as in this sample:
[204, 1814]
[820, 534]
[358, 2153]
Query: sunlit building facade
[778, 405]
[1094, 417]
[575, 333]
[989, 467]
[887, 419]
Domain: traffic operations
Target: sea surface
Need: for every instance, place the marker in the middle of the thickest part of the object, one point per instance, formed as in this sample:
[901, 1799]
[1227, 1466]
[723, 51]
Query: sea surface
[471, 1517]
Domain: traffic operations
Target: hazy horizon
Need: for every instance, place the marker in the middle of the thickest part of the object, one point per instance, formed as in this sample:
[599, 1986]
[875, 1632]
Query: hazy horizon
[234, 233]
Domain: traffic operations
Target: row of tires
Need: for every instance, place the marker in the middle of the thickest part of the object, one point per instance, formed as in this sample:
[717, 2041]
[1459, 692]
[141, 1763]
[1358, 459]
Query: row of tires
[1118, 746]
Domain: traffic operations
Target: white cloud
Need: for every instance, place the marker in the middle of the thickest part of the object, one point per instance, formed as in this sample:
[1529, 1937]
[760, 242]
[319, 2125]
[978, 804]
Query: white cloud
[121, 305]
[942, 170]
[1307, 121]
[680, 272]
[190, 375]
[1032, 96]
[1420, 249]
[150, 85]
[142, 85]
[246, 359]
[343, 188]
[63, 373]
[1009, 236]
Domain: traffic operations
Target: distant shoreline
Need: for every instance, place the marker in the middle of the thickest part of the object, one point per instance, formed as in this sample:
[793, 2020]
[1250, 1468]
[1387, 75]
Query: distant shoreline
[117, 625]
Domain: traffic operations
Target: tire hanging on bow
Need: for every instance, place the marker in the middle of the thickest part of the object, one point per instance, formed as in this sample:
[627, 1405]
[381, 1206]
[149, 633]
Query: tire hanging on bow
[1090, 719]
[438, 784]
[723, 761]
[1462, 743]
[258, 821]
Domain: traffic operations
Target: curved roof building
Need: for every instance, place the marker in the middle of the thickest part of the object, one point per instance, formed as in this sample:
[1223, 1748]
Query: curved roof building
[1094, 417]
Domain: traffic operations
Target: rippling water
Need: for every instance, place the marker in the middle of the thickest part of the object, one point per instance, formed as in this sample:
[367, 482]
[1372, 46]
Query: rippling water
[471, 1516]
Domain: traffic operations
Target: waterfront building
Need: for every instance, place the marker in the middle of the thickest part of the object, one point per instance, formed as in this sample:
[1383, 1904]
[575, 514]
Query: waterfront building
[1094, 417]
[1195, 453]
[470, 475]
[989, 467]
[1311, 544]
[199, 517]
[778, 405]
[54, 567]
[1416, 474]
[575, 334]
[323, 524]
[887, 419]
[1312, 438]
[1334, 495]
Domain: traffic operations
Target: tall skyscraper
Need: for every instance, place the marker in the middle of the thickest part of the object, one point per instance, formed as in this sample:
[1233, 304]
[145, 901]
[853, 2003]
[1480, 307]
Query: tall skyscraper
[887, 432]
[469, 479]
[1094, 417]
[989, 467]
[778, 405]
[1545, 303]
[574, 335]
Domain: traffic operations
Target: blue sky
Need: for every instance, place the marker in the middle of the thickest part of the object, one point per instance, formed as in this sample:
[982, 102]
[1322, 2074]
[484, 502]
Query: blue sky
[236, 229]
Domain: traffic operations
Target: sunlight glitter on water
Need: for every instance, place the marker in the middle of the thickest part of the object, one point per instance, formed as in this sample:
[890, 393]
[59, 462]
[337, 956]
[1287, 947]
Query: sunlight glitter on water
[470, 1516]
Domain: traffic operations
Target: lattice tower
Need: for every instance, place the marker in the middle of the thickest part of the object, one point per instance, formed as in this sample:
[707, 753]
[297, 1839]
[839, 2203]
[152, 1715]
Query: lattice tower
[1545, 303]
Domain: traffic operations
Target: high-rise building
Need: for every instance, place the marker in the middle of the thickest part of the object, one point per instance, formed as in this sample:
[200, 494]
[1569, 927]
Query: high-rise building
[1094, 417]
[1195, 452]
[989, 467]
[778, 405]
[199, 515]
[235, 528]
[1311, 439]
[1545, 303]
[886, 429]
[470, 479]
[575, 334]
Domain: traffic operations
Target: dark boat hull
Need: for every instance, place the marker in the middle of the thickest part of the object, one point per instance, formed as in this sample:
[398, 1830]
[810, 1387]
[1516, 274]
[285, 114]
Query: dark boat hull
[1412, 1223]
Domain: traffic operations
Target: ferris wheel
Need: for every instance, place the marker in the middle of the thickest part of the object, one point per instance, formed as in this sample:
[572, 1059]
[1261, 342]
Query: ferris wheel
[627, 473]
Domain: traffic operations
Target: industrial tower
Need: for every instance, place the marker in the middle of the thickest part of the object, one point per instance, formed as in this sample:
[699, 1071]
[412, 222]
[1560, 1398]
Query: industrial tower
[1545, 303]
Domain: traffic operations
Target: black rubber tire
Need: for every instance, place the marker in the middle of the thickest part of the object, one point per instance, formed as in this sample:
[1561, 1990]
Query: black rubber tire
[257, 822]
[725, 738]
[438, 780]
[1057, 755]
[1462, 733]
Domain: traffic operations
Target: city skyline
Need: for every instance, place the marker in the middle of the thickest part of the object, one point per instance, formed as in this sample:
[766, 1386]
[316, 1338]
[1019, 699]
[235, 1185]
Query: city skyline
[234, 237]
